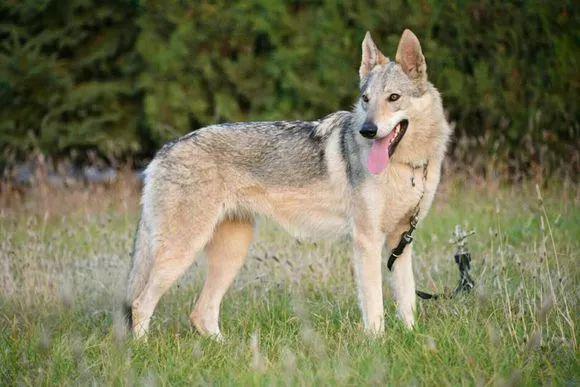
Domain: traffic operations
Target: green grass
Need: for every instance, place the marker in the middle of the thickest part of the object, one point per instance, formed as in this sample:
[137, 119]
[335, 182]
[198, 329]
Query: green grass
[291, 316]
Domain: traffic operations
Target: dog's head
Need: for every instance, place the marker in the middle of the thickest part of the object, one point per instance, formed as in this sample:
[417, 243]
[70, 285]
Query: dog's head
[391, 97]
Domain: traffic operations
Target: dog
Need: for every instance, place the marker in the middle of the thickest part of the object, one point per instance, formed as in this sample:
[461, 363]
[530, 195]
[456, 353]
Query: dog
[363, 172]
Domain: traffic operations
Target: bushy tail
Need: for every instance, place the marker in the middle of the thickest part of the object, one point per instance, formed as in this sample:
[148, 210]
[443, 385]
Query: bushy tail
[140, 267]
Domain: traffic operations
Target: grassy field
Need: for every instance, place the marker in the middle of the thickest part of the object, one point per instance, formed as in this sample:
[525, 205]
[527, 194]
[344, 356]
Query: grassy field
[291, 316]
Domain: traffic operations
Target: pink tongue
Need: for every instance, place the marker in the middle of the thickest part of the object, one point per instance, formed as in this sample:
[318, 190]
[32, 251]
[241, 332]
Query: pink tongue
[379, 156]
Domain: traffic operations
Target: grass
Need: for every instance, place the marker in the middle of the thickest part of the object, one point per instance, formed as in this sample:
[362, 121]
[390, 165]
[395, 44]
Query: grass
[291, 316]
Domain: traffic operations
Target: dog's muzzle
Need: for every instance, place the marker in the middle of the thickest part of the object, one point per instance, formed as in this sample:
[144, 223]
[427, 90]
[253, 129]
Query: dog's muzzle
[368, 130]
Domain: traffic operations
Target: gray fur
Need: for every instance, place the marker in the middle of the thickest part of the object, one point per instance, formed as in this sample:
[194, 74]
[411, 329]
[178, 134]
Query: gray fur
[350, 150]
[274, 153]
[389, 78]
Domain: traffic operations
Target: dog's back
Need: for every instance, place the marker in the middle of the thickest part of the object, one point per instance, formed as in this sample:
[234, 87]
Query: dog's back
[283, 153]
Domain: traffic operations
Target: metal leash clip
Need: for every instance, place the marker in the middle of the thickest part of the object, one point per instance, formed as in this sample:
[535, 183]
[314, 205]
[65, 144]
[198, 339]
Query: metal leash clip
[463, 259]
[406, 238]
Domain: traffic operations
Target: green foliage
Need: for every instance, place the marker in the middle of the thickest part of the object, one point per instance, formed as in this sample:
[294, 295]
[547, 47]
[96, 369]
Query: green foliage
[81, 74]
[247, 61]
[67, 77]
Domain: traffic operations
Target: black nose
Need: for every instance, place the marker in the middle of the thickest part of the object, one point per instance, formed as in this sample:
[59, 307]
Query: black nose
[368, 130]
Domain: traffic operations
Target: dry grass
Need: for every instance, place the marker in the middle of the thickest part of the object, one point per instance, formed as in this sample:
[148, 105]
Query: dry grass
[291, 316]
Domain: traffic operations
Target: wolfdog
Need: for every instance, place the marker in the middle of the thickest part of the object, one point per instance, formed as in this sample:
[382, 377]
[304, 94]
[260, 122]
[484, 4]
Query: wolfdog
[361, 173]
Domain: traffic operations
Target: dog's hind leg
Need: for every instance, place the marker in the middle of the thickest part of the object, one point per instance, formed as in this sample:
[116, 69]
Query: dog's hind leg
[226, 254]
[182, 234]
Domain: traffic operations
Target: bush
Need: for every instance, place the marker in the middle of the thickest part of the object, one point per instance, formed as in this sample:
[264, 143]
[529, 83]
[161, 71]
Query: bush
[507, 70]
[67, 78]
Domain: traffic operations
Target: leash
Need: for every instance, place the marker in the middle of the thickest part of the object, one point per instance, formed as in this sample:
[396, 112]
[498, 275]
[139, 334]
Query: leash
[462, 256]
[407, 236]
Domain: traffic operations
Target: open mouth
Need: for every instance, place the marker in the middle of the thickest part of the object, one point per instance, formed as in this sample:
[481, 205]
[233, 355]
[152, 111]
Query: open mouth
[396, 135]
[383, 148]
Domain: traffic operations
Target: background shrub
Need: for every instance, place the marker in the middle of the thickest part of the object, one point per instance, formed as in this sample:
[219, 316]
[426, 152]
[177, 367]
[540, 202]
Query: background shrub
[67, 78]
[123, 77]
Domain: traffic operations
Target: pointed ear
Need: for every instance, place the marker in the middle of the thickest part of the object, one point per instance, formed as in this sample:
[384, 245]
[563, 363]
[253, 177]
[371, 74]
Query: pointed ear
[371, 56]
[411, 59]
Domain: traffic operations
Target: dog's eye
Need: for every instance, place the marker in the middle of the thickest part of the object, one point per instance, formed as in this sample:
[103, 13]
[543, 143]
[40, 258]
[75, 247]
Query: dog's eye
[365, 98]
[393, 97]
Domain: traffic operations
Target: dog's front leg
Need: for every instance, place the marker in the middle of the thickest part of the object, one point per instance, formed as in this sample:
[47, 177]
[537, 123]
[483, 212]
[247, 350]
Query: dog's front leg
[404, 284]
[367, 266]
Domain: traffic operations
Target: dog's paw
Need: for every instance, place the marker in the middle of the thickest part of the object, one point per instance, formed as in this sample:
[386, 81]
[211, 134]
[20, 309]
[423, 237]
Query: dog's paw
[206, 330]
[408, 319]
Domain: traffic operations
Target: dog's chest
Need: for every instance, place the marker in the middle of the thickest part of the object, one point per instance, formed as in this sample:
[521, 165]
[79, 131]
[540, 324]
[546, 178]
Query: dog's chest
[407, 190]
